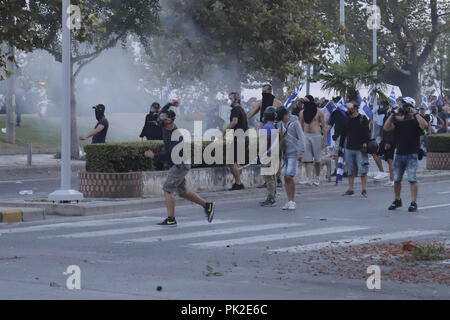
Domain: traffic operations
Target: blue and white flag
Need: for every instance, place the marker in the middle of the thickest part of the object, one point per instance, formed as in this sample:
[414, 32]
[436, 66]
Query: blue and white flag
[425, 101]
[364, 109]
[392, 97]
[340, 169]
[438, 102]
[342, 107]
[293, 96]
[329, 109]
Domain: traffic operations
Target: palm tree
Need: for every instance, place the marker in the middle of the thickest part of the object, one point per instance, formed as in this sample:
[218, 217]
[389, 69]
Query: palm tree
[350, 75]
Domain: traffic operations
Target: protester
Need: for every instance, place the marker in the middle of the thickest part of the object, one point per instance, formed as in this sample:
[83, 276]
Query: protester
[356, 132]
[313, 122]
[176, 178]
[408, 126]
[387, 144]
[265, 153]
[298, 108]
[152, 129]
[292, 148]
[268, 100]
[238, 120]
[435, 121]
[337, 121]
[101, 128]
[423, 138]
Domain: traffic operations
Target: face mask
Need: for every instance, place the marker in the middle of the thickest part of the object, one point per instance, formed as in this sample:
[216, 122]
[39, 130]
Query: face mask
[99, 115]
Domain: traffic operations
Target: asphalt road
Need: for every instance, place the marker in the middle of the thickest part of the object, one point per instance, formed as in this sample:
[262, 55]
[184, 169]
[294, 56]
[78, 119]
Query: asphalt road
[238, 256]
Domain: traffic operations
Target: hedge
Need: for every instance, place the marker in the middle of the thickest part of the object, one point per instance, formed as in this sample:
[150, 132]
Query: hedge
[439, 143]
[129, 157]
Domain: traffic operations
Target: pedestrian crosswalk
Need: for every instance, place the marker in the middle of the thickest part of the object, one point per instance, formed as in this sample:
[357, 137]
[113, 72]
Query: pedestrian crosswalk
[196, 233]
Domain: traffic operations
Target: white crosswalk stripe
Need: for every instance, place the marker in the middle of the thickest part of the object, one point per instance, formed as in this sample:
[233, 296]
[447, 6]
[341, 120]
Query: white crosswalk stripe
[115, 232]
[78, 224]
[357, 241]
[278, 236]
[216, 232]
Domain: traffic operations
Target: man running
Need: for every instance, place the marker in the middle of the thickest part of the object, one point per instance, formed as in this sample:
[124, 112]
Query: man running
[176, 178]
[313, 123]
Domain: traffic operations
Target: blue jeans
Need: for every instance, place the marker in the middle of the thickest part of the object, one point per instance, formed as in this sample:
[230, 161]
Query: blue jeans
[356, 163]
[406, 162]
[289, 167]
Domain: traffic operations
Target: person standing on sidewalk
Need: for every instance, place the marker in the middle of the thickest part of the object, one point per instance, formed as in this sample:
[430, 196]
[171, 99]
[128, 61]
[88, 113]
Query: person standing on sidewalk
[101, 128]
[356, 131]
[238, 120]
[265, 155]
[292, 148]
[387, 144]
[313, 123]
[408, 126]
[176, 178]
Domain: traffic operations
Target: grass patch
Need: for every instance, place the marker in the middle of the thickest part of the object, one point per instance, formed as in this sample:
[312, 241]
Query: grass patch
[429, 252]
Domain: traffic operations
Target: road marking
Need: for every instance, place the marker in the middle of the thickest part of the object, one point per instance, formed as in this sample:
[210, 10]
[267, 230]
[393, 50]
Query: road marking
[114, 232]
[18, 181]
[445, 192]
[436, 206]
[212, 233]
[358, 241]
[78, 224]
[278, 236]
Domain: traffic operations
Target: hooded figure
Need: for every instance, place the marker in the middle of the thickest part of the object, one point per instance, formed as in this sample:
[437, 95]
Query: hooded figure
[310, 109]
[267, 101]
[101, 128]
[152, 129]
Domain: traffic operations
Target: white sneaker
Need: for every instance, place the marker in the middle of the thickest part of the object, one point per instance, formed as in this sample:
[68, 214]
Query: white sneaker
[317, 181]
[306, 182]
[292, 206]
[381, 175]
[389, 184]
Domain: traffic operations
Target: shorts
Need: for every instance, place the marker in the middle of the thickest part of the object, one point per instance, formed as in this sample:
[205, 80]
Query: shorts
[406, 162]
[386, 154]
[313, 147]
[289, 167]
[176, 179]
[356, 162]
[336, 146]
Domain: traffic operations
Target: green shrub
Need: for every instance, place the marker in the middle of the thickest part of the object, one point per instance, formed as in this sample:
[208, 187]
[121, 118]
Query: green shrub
[129, 157]
[438, 143]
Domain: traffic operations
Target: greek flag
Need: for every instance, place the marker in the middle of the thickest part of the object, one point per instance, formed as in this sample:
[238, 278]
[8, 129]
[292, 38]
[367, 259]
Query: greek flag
[392, 97]
[340, 169]
[364, 109]
[342, 107]
[293, 96]
[438, 102]
[425, 101]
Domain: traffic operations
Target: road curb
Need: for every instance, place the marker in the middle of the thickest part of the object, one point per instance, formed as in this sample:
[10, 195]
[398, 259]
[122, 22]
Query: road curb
[11, 215]
[37, 169]
[103, 206]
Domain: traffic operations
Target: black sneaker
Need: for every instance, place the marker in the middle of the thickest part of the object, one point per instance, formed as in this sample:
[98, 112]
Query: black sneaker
[237, 187]
[268, 203]
[349, 193]
[169, 222]
[413, 207]
[210, 209]
[334, 173]
[279, 183]
[396, 204]
[364, 194]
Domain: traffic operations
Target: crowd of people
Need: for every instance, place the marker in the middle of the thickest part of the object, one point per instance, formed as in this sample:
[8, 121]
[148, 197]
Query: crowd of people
[396, 133]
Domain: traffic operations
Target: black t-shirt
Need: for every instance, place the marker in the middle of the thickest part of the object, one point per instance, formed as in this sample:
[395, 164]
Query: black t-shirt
[338, 120]
[101, 136]
[238, 112]
[356, 130]
[407, 136]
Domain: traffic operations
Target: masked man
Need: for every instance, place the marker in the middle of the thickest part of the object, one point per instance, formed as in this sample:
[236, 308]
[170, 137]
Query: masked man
[101, 128]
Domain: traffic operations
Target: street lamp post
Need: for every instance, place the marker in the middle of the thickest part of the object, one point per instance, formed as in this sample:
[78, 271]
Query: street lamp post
[65, 194]
[342, 22]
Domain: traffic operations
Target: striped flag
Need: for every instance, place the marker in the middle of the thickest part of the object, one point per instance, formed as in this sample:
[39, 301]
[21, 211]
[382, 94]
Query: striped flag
[342, 107]
[438, 102]
[364, 109]
[392, 97]
[425, 101]
[293, 96]
[340, 169]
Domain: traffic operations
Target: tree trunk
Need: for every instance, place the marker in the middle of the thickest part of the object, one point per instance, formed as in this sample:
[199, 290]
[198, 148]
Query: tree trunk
[74, 139]
[408, 83]
[11, 103]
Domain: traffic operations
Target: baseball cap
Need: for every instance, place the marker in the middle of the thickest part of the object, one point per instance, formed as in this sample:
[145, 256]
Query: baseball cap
[99, 107]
